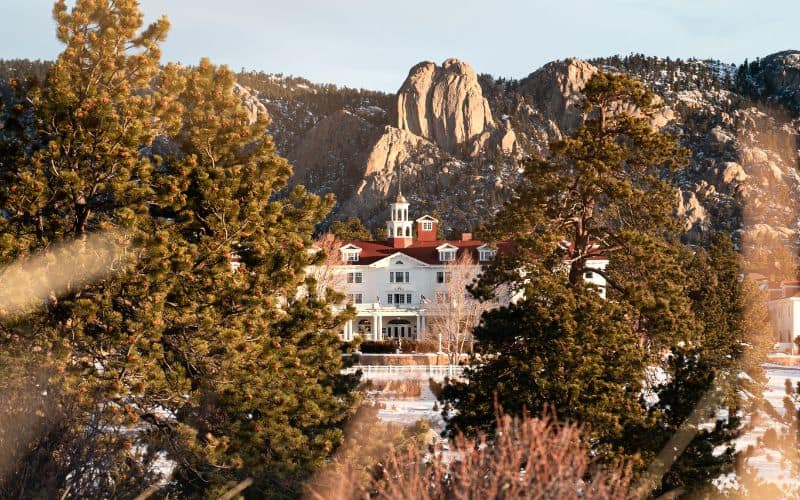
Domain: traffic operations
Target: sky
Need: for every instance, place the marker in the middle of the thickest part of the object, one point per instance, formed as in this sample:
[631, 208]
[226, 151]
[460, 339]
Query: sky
[373, 43]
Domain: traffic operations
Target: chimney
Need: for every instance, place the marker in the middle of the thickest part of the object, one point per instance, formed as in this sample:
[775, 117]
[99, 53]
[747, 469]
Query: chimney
[466, 236]
[401, 242]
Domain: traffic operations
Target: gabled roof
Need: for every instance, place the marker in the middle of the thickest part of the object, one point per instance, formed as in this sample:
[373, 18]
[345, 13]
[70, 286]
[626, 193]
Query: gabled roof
[423, 251]
[400, 253]
[446, 246]
[351, 246]
[427, 218]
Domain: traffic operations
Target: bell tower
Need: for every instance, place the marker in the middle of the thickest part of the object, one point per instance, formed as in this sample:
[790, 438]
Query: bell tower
[399, 227]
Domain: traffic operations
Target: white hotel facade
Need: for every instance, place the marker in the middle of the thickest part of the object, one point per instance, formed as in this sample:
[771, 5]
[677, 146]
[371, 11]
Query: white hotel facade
[393, 284]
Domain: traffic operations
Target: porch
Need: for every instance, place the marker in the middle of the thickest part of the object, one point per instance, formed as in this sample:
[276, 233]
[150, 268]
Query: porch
[386, 323]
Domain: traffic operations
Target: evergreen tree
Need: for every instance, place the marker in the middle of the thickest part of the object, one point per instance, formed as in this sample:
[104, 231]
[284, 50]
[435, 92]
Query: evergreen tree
[231, 374]
[351, 228]
[731, 343]
[603, 192]
[75, 168]
[251, 365]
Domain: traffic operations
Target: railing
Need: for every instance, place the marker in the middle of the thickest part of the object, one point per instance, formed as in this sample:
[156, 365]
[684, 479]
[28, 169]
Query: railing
[436, 372]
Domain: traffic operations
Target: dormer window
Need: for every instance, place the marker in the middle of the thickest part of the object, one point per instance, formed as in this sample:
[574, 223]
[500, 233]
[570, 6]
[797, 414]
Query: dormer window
[427, 225]
[447, 252]
[350, 253]
[486, 253]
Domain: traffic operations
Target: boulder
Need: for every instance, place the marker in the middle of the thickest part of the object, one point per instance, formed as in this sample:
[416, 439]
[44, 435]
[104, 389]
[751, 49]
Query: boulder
[695, 217]
[733, 173]
[556, 88]
[443, 104]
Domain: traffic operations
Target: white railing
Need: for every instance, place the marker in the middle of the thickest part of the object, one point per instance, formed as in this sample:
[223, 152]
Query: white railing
[436, 372]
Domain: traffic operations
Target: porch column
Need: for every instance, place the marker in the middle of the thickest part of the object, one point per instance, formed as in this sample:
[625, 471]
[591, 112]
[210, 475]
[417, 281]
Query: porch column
[419, 327]
[348, 330]
[378, 327]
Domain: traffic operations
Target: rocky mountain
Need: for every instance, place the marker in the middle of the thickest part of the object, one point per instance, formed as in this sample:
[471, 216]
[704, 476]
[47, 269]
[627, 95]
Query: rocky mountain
[775, 78]
[458, 137]
[441, 133]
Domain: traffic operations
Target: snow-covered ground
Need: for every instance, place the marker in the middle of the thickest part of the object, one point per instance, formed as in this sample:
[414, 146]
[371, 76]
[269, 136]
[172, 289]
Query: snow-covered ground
[770, 464]
[408, 411]
[767, 462]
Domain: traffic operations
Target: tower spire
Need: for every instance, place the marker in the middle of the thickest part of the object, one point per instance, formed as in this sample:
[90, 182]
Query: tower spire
[400, 197]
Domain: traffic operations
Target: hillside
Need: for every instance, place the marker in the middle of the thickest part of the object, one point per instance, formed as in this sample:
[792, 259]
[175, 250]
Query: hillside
[459, 138]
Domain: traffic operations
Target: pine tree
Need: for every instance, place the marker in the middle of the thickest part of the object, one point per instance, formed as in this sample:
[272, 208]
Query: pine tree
[253, 356]
[351, 228]
[604, 192]
[231, 374]
[75, 169]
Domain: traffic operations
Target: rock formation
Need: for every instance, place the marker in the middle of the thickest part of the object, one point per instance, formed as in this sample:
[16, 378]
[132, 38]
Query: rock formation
[555, 89]
[251, 103]
[777, 79]
[444, 104]
[333, 153]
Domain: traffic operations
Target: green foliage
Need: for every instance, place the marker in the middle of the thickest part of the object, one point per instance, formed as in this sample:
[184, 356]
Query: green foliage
[562, 349]
[231, 374]
[604, 192]
[351, 229]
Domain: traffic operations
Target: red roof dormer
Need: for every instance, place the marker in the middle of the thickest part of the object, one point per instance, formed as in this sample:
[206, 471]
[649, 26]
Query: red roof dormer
[426, 228]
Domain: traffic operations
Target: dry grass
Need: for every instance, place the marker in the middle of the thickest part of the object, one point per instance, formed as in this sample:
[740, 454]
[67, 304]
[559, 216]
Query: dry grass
[401, 389]
[527, 458]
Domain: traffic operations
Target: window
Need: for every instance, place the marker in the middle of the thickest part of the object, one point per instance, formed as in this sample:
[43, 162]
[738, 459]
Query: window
[355, 277]
[350, 255]
[588, 275]
[443, 276]
[447, 255]
[398, 298]
[485, 255]
[355, 298]
[399, 277]
[427, 226]
[441, 297]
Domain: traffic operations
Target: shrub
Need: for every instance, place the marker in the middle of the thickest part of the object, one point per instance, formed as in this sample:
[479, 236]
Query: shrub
[378, 347]
[555, 460]
[400, 388]
[436, 387]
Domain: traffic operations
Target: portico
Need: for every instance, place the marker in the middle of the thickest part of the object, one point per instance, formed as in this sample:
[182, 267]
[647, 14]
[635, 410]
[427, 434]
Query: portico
[376, 322]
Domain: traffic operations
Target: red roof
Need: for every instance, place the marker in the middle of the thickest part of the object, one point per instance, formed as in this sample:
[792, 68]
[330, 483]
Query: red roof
[425, 251]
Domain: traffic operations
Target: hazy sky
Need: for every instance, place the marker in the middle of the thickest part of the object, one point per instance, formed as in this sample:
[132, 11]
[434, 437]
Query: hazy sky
[373, 43]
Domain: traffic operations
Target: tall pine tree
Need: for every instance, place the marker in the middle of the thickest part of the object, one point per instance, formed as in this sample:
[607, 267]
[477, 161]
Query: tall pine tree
[230, 374]
[604, 192]
[255, 352]
[76, 169]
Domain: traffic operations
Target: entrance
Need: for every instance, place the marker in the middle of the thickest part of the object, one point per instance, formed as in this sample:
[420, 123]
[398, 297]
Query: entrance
[399, 329]
[364, 327]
